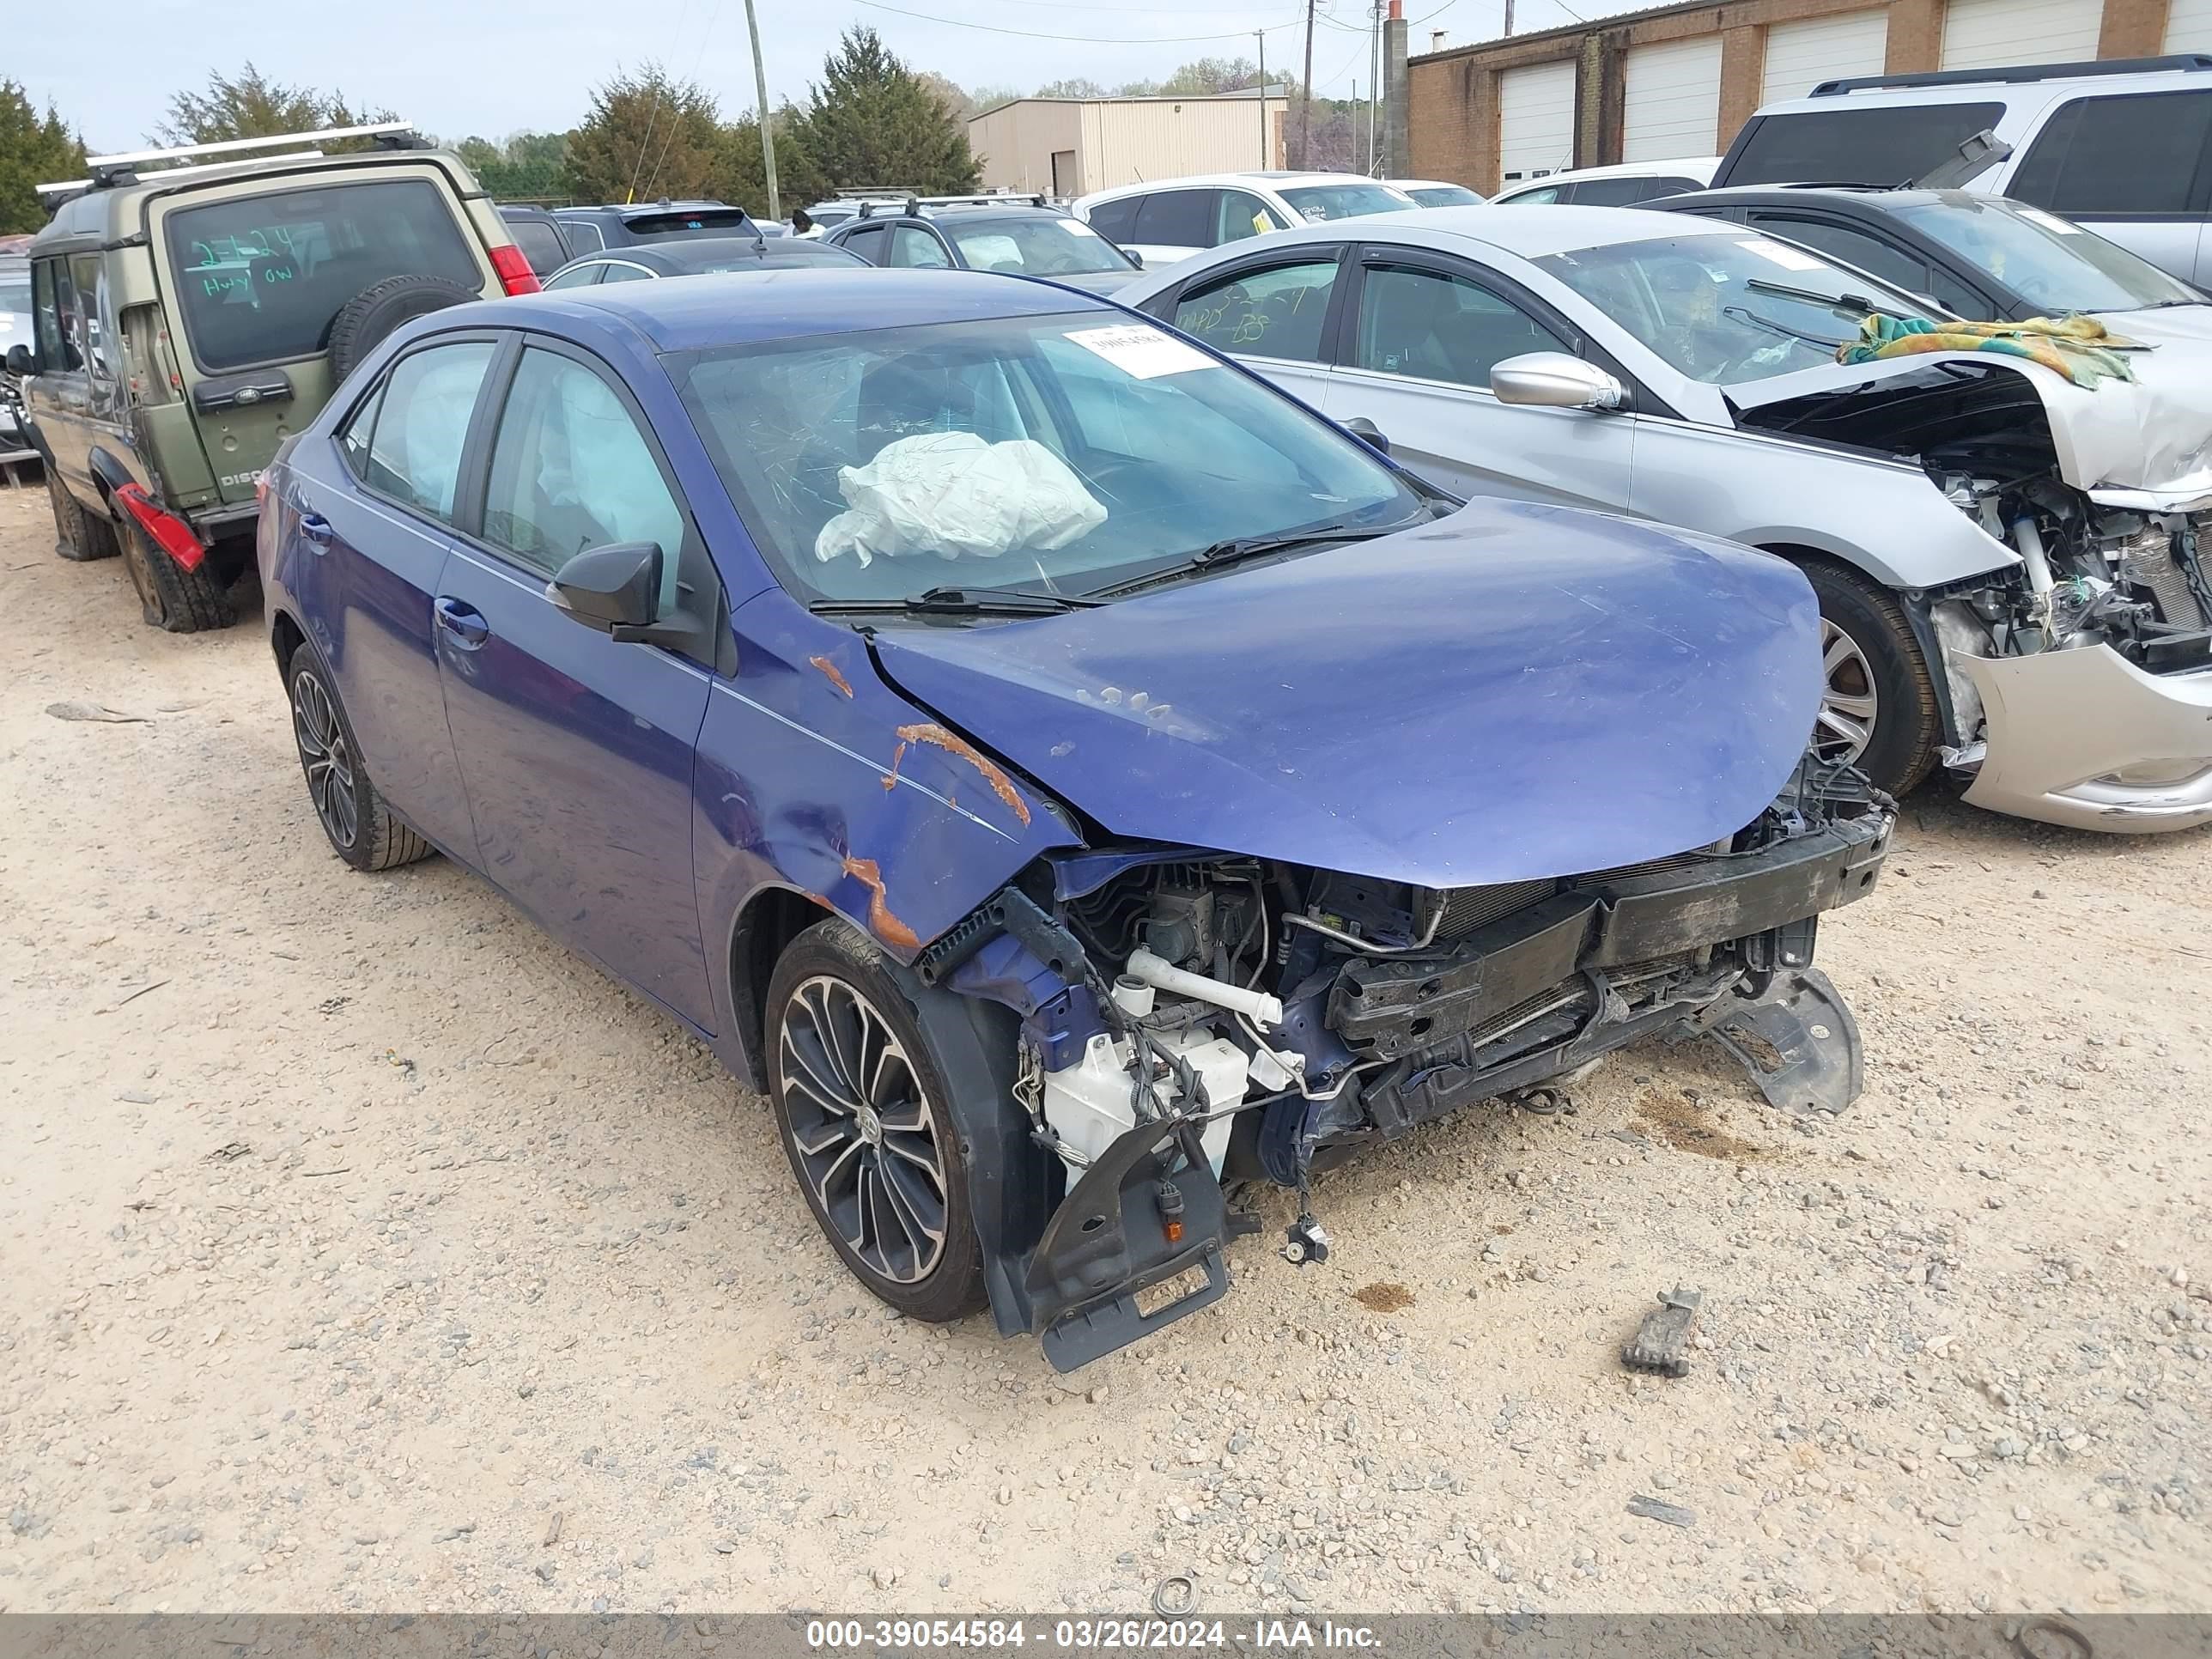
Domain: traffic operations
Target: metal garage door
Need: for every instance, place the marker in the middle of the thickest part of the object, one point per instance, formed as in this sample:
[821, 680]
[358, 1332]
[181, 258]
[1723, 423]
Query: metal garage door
[1990, 33]
[1672, 101]
[1800, 56]
[2189, 25]
[1536, 120]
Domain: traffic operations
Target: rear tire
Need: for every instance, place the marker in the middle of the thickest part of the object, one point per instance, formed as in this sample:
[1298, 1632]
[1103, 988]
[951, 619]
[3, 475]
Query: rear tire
[864, 1110]
[79, 536]
[170, 597]
[1878, 704]
[358, 826]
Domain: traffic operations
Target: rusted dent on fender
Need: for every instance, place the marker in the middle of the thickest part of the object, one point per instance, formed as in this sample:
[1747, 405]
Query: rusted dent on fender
[953, 743]
[832, 673]
[881, 922]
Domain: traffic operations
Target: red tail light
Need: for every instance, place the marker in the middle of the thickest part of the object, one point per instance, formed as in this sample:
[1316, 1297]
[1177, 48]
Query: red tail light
[171, 534]
[514, 272]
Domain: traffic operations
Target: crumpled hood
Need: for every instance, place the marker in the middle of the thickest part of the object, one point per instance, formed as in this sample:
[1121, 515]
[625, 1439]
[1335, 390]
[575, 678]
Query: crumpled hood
[2152, 434]
[1514, 692]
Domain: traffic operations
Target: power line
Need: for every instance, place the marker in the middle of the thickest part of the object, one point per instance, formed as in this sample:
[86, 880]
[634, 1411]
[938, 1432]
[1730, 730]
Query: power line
[1085, 40]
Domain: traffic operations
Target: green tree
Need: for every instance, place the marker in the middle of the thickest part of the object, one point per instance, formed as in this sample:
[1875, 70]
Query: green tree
[872, 121]
[526, 167]
[249, 105]
[34, 150]
[742, 178]
[648, 135]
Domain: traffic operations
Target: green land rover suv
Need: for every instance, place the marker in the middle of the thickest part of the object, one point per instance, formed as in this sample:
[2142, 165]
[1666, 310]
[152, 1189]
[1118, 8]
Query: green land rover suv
[194, 309]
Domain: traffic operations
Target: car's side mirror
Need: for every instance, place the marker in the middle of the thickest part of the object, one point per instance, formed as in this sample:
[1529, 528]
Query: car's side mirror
[1553, 380]
[615, 588]
[1135, 258]
[1368, 433]
[19, 360]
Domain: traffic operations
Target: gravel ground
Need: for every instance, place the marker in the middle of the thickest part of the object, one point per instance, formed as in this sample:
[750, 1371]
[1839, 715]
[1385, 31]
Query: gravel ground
[364, 1250]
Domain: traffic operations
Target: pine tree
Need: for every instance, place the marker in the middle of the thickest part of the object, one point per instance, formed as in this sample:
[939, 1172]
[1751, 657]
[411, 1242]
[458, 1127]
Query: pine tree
[249, 105]
[649, 135]
[34, 150]
[872, 121]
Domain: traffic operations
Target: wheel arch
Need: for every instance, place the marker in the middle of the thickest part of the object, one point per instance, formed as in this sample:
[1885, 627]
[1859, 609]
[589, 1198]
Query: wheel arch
[768, 922]
[286, 636]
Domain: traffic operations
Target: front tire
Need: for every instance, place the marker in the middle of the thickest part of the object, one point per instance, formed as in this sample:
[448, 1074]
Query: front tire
[171, 597]
[863, 1108]
[360, 827]
[79, 536]
[1878, 706]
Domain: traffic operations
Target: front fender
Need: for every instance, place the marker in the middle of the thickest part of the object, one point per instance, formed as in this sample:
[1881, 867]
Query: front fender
[815, 777]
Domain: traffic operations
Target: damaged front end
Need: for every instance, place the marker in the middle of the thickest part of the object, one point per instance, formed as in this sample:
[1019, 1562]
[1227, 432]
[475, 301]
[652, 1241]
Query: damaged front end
[2074, 675]
[1190, 1018]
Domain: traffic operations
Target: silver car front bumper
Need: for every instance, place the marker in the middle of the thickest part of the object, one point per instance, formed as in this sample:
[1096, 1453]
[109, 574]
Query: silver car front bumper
[2086, 740]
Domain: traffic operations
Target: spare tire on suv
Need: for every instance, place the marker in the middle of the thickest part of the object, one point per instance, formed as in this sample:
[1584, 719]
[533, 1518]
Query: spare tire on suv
[362, 322]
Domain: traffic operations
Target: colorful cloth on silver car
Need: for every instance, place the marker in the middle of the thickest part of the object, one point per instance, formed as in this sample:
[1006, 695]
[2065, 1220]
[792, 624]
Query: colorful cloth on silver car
[2080, 348]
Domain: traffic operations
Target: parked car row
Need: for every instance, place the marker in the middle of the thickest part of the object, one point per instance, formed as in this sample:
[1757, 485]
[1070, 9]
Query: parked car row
[1075, 753]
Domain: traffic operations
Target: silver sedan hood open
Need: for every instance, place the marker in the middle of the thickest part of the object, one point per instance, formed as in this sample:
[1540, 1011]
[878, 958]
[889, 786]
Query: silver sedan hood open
[2144, 443]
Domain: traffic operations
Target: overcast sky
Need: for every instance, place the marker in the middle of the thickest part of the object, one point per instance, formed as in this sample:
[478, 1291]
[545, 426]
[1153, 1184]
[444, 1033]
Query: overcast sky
[457, 68]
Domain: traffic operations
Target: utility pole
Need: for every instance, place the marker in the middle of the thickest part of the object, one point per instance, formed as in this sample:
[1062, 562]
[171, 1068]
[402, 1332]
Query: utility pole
[1305, 108]
[1509, 17]
[1266, 158]
[1374, 81]
[767, 119]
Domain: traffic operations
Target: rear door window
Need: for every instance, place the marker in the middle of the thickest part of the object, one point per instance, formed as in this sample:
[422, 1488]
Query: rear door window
[2141, 153]
[422, 423]
[1872, 144]
[261, 277]
[1275, 313]
[583, 236]
[1625, 192]
[1115, 220]
[1176, 218]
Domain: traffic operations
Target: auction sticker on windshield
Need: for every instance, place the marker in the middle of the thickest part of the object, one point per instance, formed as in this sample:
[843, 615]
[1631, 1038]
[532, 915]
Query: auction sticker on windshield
[1142, 353]
[1788, 257]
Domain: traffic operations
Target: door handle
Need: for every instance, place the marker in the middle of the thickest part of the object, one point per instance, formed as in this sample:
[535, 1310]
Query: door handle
[316, 528]
[463, 622]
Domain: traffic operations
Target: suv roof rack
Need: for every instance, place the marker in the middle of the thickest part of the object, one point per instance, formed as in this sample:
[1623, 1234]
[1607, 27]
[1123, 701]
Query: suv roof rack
[2019, 73]
[123, 168]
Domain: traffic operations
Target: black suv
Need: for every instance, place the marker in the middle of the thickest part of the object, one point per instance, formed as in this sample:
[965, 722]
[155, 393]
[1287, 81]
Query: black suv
[1024, 238]
[591, 229]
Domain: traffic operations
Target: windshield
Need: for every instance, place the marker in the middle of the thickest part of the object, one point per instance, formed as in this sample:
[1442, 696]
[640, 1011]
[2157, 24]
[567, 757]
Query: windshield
[1060, 454]
[1315, 203]
[1727, 309]
[1041, 247]
[2056, 266]
[261, 277]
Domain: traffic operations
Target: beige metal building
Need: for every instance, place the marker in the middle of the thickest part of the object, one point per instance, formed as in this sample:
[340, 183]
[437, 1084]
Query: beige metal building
[1680, 80]
[1070, 146]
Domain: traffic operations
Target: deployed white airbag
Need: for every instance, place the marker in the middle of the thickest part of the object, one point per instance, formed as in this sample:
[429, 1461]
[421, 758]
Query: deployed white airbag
[953, 495]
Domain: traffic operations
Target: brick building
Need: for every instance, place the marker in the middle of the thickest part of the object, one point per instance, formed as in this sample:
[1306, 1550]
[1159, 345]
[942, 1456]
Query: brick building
[1679, 80]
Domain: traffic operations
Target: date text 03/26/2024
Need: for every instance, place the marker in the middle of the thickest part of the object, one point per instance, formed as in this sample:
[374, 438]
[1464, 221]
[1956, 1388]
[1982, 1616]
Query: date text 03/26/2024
[1084, 1635]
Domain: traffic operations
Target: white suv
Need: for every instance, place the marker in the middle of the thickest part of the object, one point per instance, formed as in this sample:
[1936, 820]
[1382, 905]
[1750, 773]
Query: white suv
[1171, 219]
[2124, 145]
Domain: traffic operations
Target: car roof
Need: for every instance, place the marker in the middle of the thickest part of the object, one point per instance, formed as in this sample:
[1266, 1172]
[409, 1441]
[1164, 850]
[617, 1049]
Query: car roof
[686, 313]
[1531, 232]
[2036, 91]
[1785, 194]
[1217, 181]
[1425, 184]
[104, 209]
[1675, 167]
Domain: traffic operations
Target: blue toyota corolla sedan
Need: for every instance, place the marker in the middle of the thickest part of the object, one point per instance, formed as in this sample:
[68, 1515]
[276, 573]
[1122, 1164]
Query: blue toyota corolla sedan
[1061, 771]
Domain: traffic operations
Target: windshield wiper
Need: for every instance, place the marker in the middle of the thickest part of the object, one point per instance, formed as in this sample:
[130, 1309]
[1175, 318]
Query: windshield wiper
[1222, 554]
[966, 602]
[1857, 302]
[1744, 315]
